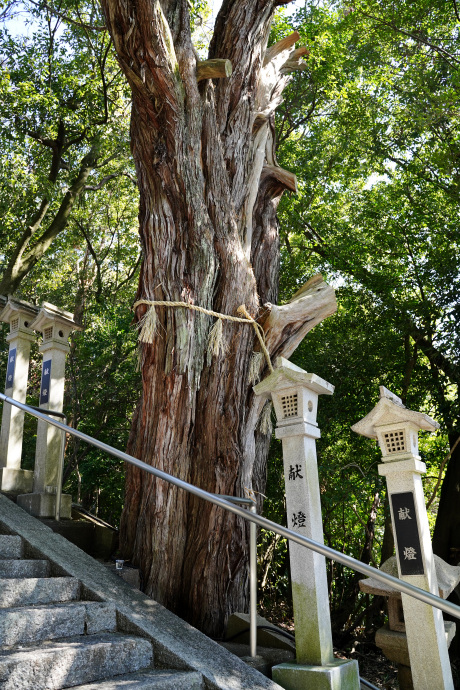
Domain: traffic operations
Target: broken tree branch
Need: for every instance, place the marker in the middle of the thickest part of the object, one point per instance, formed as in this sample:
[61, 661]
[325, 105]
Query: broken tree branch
[287, 325]
[285, 177]
[213, 69]
[278, 47]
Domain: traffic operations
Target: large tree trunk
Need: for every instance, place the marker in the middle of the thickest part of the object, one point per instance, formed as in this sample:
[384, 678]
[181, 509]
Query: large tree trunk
[209, 187]
[446, 536]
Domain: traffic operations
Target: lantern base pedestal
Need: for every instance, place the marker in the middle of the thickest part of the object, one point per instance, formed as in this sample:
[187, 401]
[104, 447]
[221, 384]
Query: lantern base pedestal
[44, 505]
[338, 675]
[16, 482]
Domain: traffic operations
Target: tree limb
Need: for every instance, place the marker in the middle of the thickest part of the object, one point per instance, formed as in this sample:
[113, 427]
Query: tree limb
[433, 354]
[66, 18]
[21, 263]
[95, 187]
[96, 261]
[213, 69]
[144, 44]
[286, 178]
[284, 44]
[130, 273]
[286, 326]
[441, 469]
[415, 37]
[456, 9]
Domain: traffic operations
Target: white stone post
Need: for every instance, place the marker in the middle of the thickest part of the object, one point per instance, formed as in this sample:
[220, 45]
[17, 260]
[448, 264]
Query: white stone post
[295, 397]
[396, 429]
[19, 315]
[56, 326]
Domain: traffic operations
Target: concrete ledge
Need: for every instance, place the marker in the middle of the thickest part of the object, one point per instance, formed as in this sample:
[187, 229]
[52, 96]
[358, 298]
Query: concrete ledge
[338, 675]
[176, 644]
[44, 505]
[237, 631]
[16, 482]
[96, 540]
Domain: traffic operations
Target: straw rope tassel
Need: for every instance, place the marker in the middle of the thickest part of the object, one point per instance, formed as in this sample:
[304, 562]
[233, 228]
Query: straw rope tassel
[148, 326]
[215, 341]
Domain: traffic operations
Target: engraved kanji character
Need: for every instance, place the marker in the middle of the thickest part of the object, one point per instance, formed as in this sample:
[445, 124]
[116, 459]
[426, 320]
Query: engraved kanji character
[403, 514]
[410, 554]
[298, 519]
[294, 472]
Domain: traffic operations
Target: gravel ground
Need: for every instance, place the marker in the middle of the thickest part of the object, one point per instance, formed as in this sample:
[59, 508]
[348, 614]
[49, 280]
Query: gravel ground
[374, 667]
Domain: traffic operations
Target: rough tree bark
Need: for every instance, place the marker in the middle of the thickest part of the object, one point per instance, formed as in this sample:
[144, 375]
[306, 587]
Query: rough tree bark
[209, 188]
[446, 536]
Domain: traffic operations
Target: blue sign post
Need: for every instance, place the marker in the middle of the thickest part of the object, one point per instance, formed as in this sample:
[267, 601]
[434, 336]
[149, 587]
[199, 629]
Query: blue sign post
[10, 369]
[45, 384]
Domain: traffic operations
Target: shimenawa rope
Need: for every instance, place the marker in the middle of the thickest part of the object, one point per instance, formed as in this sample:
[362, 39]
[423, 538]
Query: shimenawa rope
[148, 325]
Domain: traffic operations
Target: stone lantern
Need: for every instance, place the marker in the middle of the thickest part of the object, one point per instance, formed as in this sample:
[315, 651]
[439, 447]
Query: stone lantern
[295, 394]
[55, 325]
[19, 315]
[396, 429]
[391, 638]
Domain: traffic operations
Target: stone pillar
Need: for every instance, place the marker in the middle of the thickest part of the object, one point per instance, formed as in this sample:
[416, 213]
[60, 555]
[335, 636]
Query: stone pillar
[396, 429]
[19, 315]
[55, 325]
[295, 397]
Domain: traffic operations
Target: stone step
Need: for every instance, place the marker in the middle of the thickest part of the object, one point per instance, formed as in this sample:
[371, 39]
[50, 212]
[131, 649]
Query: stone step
[24, 568]
[57, 665]
[148, 680]
[10, 546]
[26, 625]
[37, 590]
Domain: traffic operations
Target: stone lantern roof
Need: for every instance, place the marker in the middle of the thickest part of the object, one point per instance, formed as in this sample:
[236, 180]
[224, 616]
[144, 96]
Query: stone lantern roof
[390, 410]
[294, 394]
[13, 306]
[49, 313]
[287, 375]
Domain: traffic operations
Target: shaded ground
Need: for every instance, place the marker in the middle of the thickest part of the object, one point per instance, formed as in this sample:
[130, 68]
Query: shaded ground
[373, 666]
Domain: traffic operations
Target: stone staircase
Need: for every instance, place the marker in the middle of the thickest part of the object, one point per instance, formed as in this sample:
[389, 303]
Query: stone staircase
[66, 621]
[51, 638]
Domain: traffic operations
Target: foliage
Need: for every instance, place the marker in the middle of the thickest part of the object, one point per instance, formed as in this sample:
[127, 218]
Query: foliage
[63, 130]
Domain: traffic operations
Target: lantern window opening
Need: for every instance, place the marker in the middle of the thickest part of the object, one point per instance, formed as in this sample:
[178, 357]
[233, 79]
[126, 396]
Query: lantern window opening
[394, 441]
[14, 324]
[48, 333]
[290, 405]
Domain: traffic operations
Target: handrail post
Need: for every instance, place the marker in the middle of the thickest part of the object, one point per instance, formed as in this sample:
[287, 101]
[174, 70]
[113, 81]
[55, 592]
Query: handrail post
[253, 584]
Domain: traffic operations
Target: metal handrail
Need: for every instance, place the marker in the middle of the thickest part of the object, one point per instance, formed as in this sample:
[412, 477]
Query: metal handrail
[322, 549]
